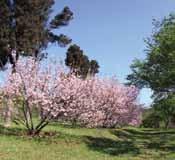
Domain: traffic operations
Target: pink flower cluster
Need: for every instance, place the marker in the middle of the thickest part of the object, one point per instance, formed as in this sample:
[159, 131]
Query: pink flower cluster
[94, 102]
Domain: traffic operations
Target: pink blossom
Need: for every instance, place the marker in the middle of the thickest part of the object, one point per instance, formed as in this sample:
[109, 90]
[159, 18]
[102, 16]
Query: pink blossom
[57, 94]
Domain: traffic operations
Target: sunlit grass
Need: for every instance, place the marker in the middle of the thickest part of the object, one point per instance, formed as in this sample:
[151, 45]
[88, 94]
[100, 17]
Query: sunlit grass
[75, 143]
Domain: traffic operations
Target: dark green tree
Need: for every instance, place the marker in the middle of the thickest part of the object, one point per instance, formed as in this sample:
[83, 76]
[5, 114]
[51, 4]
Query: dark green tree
[157, 70]
[26, 28]
[79, 63]
[94, 67]
[152, 120]
[165, 108]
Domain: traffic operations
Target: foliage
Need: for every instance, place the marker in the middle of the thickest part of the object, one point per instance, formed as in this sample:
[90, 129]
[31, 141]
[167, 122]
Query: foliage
[26, 28]
[152, 120]
[157, 71]
[161, 114]
[55, 94]
[79, 63]
[166, 109]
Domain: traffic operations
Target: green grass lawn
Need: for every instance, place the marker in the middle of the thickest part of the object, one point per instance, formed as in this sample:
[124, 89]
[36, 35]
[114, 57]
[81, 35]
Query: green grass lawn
[70, 143]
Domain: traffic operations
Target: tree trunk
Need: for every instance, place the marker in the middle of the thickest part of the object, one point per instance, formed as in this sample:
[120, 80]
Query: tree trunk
[167, 123]
[8, 113]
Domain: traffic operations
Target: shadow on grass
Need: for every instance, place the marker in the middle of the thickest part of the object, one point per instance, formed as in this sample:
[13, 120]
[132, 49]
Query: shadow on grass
[111, 147]
[65, 125]
[149, 132]
[153, 140]
[104, 145]
[127, 141]
[9, 131]
[44, 137]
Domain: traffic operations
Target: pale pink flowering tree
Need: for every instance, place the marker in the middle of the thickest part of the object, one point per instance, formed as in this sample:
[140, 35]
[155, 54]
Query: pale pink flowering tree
[32, 88]
[99, 102]
[54, 94]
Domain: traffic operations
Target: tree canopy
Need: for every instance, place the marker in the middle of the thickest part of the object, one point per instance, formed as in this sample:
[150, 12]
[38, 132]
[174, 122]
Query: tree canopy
[79, 63]
[157, 70]
[26, 28]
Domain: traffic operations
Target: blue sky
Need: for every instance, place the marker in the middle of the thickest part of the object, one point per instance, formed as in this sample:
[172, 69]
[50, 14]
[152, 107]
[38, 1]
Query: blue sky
[112, 31]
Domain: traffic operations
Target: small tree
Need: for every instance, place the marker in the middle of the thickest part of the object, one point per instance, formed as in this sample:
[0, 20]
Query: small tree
[32, 88]
[79, 63]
